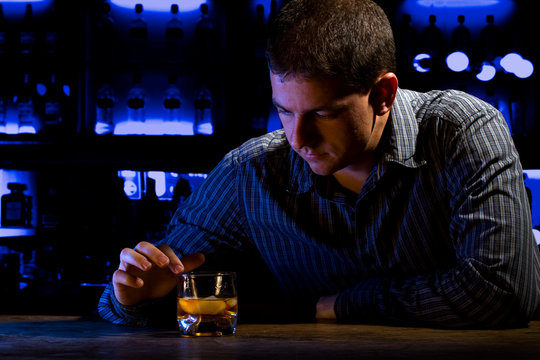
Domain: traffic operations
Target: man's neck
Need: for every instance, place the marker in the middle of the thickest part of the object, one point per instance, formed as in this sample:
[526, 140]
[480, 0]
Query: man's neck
[354, 176]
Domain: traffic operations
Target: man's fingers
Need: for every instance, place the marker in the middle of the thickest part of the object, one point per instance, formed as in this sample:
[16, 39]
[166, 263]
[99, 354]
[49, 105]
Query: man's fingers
[193, 261]
[121, 277]
[132, 257]
[152, 253]
[175, 265]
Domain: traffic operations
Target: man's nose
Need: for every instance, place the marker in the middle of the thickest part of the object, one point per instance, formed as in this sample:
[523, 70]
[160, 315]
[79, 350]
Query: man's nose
[303, 133]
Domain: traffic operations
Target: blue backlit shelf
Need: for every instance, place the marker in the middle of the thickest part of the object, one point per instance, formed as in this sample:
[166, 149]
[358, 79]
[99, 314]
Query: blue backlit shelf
[16, 232]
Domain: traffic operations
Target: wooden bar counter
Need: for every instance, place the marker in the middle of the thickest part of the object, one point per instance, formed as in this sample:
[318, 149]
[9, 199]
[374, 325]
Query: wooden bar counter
[70, 337]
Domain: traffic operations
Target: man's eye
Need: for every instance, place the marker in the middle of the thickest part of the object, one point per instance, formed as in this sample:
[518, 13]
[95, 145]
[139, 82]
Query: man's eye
[283, 112]
[324, 114]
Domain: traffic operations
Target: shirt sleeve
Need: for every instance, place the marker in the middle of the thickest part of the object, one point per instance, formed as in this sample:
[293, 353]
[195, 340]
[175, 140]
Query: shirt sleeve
[496, 278]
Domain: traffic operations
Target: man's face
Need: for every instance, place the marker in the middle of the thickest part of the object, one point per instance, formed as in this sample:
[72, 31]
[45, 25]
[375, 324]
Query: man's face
[329, 127]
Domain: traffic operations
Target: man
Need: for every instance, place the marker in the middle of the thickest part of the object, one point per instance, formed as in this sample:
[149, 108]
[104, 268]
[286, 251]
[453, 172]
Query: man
[372, 204]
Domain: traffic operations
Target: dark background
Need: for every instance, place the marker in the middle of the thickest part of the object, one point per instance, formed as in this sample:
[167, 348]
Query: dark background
[81, 215]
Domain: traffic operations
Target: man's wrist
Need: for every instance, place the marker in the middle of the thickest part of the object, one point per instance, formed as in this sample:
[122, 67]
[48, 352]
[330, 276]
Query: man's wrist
[325, 308]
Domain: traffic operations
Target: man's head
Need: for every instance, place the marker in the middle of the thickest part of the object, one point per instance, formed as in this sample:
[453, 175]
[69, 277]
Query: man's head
[350, 40]
[331, 65]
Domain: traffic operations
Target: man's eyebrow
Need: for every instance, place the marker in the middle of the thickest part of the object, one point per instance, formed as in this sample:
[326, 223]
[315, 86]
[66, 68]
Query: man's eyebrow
[276, 104]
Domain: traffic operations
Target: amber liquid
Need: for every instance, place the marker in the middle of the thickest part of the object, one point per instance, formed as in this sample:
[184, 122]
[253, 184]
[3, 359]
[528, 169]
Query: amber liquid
[207, 316]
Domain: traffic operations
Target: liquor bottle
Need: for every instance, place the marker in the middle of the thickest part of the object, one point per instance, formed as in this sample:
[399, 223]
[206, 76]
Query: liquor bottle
[25, 101]
[490, 40]
[203, 111]
[4, 45]
[171, 100]
[16, 207]
[136, 103]
[204, 31]
[461, 37]
[173, 36]
[105, 101]
[273, 12]
[52, 37]
[259, 34]
[27, 34]
[138, 36]
[52, 110]
[432, 42]
[406, 46]
[104, 39]
[3, 108]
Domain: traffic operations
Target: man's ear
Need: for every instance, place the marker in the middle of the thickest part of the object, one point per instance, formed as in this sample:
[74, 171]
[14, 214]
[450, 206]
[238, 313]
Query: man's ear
[383, 93]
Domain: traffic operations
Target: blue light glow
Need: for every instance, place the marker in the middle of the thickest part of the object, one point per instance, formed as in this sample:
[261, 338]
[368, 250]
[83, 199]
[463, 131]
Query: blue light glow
[456, 3]
[418, 62]
[487, 72]
[160, 5]
[447, 11]
[14, 9]
[154, 127]
[457, 61]
[514, 63]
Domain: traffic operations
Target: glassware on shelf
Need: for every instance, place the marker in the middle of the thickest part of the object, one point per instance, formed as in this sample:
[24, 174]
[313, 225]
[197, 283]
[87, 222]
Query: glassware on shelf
[4, 28]
[27, 37]
[16, 207]
[104, 36]
[204, 30]
[173, 37]
[52, 111]
[105, 100]
[203, 111]
[25, 101]
[138, 37]
[136, 105]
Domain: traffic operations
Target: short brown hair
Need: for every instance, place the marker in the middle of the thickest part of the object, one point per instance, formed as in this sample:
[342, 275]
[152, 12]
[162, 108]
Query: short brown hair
[347, 39]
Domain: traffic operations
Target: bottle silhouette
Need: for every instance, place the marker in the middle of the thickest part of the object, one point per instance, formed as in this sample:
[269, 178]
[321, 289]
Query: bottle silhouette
[136, 104]
[4, 44]
[204, 32]
[489, 40]
[52, 37]
[172, 100]
[273, 12]
[25, 101]
[16, 207]
[104, 39]
[52, 111]
[138, 36]
[173, 36]
[27, 38]
[259, 34]
[105, 101]
[203, 111]
[3, 107]
[461, 37]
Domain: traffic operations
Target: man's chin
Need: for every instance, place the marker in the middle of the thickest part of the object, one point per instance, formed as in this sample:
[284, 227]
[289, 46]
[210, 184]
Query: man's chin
[321, 170]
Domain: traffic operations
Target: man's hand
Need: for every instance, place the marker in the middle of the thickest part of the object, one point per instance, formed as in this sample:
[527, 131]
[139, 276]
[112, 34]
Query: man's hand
[149, 272]
[325, 308]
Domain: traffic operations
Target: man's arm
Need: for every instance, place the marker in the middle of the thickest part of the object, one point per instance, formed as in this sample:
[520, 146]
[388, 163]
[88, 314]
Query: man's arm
[496, 278]
[206, 222]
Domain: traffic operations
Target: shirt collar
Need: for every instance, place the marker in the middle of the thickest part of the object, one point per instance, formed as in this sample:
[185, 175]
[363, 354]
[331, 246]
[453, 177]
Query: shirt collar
[399, 141]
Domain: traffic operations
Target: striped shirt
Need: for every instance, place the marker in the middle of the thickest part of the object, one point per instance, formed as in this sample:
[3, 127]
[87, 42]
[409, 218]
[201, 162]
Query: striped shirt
[440, 234]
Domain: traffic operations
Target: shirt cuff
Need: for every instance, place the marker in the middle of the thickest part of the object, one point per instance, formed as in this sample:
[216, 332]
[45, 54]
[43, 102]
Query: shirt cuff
[156, 313]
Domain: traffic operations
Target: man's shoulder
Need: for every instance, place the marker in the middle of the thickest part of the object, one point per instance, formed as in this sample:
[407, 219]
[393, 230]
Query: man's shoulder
[272, 144]
[455, 106]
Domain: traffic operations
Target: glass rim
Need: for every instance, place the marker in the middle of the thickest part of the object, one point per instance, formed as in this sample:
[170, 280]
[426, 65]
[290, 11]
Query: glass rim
[193, 274]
